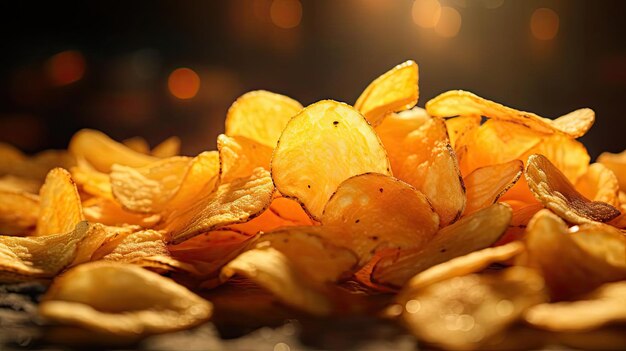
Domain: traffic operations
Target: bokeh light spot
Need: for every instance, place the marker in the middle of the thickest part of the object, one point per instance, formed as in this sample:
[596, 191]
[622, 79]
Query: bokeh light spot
[286, 13]
[66, 67]
[426, 13]
[183, 83]
[449, 23]
[544, 24]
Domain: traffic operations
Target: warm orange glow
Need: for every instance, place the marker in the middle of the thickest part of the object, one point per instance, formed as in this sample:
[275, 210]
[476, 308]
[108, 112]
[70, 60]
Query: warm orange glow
[66, 67]
[449, 23]
[426, 13]
[286, 13]
[544, 24]
[184, 83]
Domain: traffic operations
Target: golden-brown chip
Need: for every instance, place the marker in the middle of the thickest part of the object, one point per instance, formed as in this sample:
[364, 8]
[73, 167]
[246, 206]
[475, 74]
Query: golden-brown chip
[485, 185]
[599, 183]
[92, 182]
[148, 189]
[290, 210]
[201, 177]
[85, 297]
[461, 103]
[578, 262]
[18, 212]
[103, 152]
[568, 155]
[169, 147]
[19, 184]
[460, 126]
[325, 144]
[59, 203]
[394, 91]
[97, 235]
[464, 312]
[28, 258]
[377, 211]
[239, 156]
[109, 212]
[230, 203]
[261, 116]
[474, 232]
[557, 193]
[616, 163]
[270, 220]
[426, 160]
[13, 162]
[137, 144]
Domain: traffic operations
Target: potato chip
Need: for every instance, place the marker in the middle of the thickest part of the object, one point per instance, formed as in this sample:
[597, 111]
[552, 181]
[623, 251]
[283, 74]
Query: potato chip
[599, 183]
[97, 235]
[148, 189]
[261, 116]
[568, 155]
[426, 160]
[605, 305]
[109, 212]
[12, 183]
[59, 203]
[27, 258]
[19, 212]
[169, 147]
[325, 144]
[574, 263]
[485, 185]
[557, 193]
[14, 162]
[394, 130]
[376, 211]
[460, 103]
[459, 126]
[473, 232]
[466, 311]
[152, 304]
[290, 210]
[394, 91]
[616, 163]
[267, 221]
[201, 177]
[239, 156]
[92, 182]
[103, 152]
[137, 144]
[230, 203]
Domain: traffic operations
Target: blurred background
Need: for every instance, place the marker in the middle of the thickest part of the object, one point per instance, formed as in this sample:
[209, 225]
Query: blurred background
[162, 68]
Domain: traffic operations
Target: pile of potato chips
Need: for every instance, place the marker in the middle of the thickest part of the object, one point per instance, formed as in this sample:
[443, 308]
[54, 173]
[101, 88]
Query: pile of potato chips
[474, 221]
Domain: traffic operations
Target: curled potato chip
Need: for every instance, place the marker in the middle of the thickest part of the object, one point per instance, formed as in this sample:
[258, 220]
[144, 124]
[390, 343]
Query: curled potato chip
[97, 235]
[568, 155]
[261, 116]
[200, 177]
[290, 210]
[14, 162]
[103, 152]
[27, 258]
[343, 145]
[426, 160]
[239, 156]
[465, 312]
[616, 163]
[460, 126]
[230, 203]
[270, 220]
[485, 185]
[574, 263]
[169, 147]
[459, 103]
[605, 305]
[82, 297]
[109, 212]
[148, 189]
[376, 211]
[137, 144]
[19, 212]
[59, 202]
[394, 91]
[557, 193]
[599, 183]
[92, 182]
[19, 184]
[473, 232]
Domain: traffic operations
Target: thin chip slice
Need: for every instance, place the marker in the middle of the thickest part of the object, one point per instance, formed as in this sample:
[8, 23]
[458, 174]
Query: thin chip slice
[261, 116]
[460, 126]
[290, 210]
[19, 184]
[568, 155]
[28, 258]
[266, 222]
[60, 206]
[458, 103]
[377, 211]
[148, 189]
[151, 304]
[137, 144]
[574, 263]
[169, 147]
[616, 163]
[19, 212]
[599, 183]
[239, 156]
[97, 235]
[557, 193]
[394, 130]
[109, 212]
[474, 232]
[485, 185]
[394, 91]
[201, 177]
[325, 144]
[464, 312]
[230, 203]
[103, 152]
[605, 305]
[92, 182]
